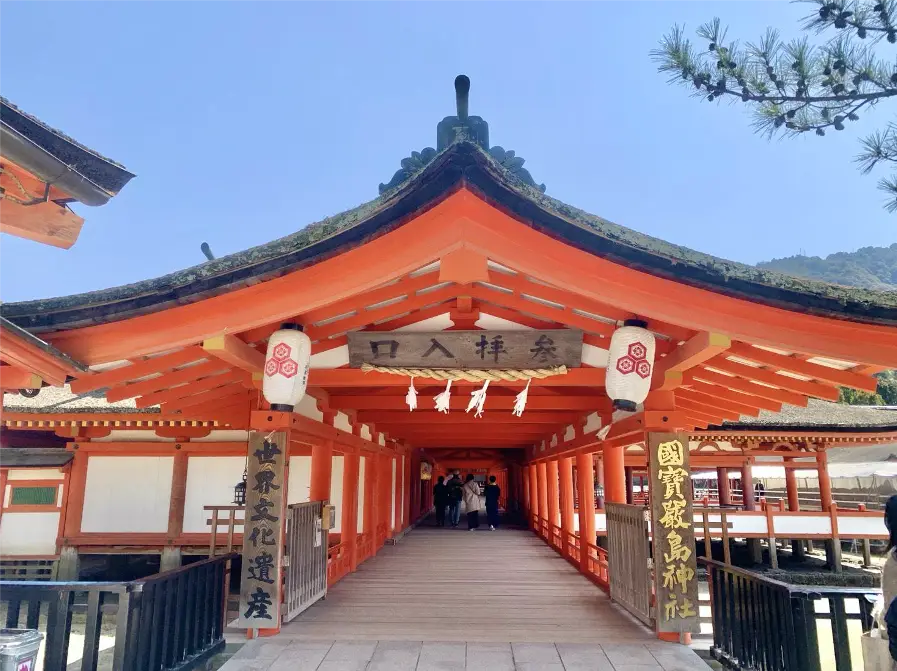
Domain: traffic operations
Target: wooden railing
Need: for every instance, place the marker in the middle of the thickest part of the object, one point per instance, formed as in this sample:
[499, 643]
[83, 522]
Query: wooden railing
[223, 516]
[172, 620]
[569, 545]
[338, 563]
[767, 625]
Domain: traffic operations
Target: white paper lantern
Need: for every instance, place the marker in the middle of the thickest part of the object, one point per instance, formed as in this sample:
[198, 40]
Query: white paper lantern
[286, 367]
[630, 365]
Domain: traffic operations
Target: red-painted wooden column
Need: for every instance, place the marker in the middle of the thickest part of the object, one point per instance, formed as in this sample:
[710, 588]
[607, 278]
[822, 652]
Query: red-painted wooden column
[722, 486]
[747, 486]
[797, 546]
[349, 519]
[586, 482]
[598, 461]
[527, 500]
[542, 475]
[409, 486]
[565, 471]
[370, 501]
[397, 500]
[614, 474]
[630, 484]
[321, 471]
[553, 494]
[534, 493]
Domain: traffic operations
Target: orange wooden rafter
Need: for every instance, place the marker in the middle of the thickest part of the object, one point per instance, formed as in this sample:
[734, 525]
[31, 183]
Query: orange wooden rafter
[459, 402]
[186, 391]
[702, 409]
[718, 402]
[48, 223]
[165, 381]
[352, 377]
[730, 395]
[696, 350]
[814, 389]
[24, 355]
[233, 389]
[233, 351]
[814, 371]
[744, 386]
[123, 374]
[13, 377]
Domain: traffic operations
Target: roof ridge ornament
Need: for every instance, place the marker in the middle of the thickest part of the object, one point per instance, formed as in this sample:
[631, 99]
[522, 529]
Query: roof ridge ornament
[461, 128]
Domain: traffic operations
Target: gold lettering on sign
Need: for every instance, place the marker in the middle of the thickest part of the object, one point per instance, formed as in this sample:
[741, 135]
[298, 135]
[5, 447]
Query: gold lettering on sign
[673, 532]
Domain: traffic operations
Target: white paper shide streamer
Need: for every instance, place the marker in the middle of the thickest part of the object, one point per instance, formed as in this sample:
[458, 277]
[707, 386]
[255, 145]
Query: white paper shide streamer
[411, 397]
[442, 400]
[520, 401]
[477, 399]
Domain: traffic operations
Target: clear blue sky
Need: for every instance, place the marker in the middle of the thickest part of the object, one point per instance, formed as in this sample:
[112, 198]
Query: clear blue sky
[246, 121]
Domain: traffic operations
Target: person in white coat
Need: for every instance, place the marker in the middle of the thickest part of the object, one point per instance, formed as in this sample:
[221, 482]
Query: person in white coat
[471, 492]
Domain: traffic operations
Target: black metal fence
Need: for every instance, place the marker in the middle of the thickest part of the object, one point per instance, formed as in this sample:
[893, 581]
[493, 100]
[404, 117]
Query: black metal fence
[170, 621]
[766, 625]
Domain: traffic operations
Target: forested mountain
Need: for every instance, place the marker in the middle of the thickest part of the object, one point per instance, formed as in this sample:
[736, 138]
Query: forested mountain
[869, 267]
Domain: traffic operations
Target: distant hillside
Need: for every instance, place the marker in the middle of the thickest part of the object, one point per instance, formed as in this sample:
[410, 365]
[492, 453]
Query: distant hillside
[869, 267]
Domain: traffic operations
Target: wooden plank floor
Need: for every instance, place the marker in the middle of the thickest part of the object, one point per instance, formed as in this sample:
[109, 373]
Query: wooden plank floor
[451, 584]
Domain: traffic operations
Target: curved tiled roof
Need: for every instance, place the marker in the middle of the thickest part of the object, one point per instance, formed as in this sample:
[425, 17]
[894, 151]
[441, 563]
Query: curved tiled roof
[462, 164]
[821, 415]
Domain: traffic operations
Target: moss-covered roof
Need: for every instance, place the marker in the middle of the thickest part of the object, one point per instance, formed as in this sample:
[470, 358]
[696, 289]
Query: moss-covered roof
[462, 164]
[102, 171]
[821, 415]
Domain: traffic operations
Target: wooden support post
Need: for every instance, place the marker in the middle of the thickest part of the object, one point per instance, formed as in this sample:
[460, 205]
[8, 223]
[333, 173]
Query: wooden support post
[630, 485]
[724, 491]
[77, 486]
[409, 482]
[586, 482]
[565, 466]
[370, 503]
[598, 476]
[797, 546]
[542, 475]
[534, 493]
[396, 463]
[755, 552]
[833, 546]
[349, 516]
[554, 520]
[321, 471]
[614, 474]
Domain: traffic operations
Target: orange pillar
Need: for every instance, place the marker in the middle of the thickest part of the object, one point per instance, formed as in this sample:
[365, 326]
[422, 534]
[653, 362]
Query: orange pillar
[747, 486]
[399, 471]
[349, 523]
[598, 461]
[614, 474]
[370, 503]
[586, 480]
[527, 506]
[321, 470]
[386, 497]
[722, 486]
[565, 467]
[542, 478]
[797, 546]
[534, 491]
[553, 496]
[825, 482]
[409, 485]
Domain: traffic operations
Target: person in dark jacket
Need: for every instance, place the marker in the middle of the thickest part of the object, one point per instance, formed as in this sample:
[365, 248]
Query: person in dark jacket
[454, 496]
[493, 493]
[440, 500]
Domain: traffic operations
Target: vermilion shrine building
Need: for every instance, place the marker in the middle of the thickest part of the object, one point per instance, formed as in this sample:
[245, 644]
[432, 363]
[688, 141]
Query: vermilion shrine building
[163, 403]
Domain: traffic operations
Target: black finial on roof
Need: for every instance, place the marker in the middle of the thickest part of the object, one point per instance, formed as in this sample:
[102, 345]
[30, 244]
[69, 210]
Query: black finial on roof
[462, 127]
[462, 95]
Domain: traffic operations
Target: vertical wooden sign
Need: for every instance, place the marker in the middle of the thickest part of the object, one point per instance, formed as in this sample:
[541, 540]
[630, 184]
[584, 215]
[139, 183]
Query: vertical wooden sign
[263, 529]
[672, 520]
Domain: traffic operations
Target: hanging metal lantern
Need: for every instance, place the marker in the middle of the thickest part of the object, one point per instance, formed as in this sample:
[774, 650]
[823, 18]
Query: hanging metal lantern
[630, 365]
[286, 367]
[240, 491]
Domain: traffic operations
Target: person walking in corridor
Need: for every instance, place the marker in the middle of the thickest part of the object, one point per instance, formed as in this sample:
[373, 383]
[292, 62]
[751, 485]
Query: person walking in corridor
[454, 496]
[493, 493]
[471, 492]
[440, 500]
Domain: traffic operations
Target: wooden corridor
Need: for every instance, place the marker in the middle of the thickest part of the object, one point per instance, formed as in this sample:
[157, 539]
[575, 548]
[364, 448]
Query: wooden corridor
[483, 586]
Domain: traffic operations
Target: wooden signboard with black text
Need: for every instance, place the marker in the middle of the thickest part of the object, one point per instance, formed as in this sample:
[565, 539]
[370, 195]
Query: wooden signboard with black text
[262, 577]
[672, 522]
[518, 350]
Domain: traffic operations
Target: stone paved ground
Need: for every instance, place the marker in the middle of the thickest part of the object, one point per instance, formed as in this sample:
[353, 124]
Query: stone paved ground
[278, 654]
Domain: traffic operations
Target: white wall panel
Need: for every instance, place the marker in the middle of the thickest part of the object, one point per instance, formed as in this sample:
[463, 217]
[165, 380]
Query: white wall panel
[361, 463]
[210, 482]
[308, 407]
[35, 474]
[299, 483]
[127, 494]
[341, 422]
[28, 533]
[336, 490]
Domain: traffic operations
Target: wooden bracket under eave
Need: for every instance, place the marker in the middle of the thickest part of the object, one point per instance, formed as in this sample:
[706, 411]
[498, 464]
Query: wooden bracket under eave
[49, 223]
[230, 349]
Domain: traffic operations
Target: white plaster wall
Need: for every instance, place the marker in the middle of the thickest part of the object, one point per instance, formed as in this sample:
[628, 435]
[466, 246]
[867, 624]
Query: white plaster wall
[299, 482]
[366, 432]
[849, 527]
[132, 435]
[336, 490]
[393, 492]
[35, 474]
[593, 423]
[813, 524]
[594, 356]
[361, 464]
[381, 441]
[341, 422]
[28, 533]
[127, 494]
[331, 358]
[210, 482]
[308, 407]
[569, 432]
[223, 436]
